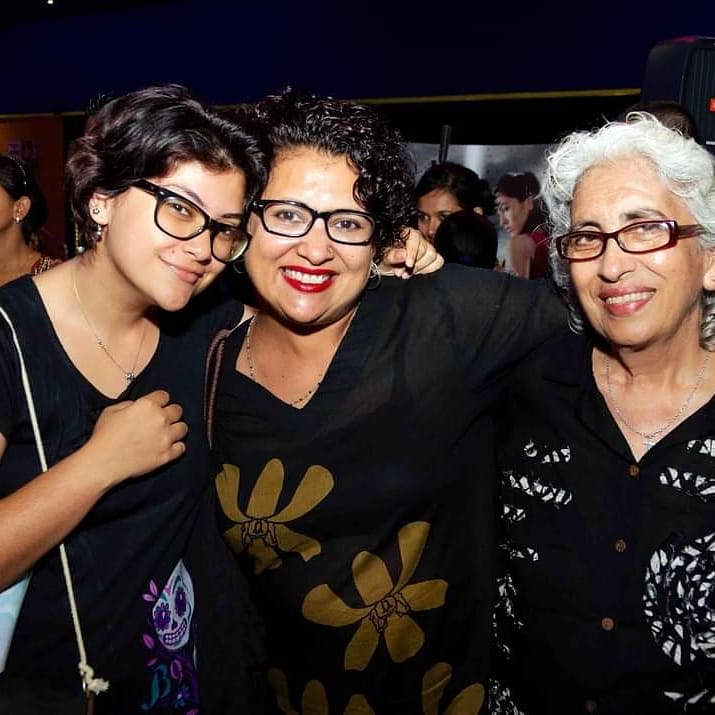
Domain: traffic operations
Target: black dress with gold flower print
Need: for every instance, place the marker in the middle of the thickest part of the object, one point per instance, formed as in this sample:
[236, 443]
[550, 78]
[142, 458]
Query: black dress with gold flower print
[365, 520]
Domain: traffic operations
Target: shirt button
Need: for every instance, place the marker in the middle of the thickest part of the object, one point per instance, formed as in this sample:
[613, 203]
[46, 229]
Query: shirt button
[634, 470]
[608, 624]
[591, 706]
[620, 546]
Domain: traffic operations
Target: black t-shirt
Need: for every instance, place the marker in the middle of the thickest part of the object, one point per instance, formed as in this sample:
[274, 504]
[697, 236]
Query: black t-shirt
[607, 603]
[150, 571]
[365, 519]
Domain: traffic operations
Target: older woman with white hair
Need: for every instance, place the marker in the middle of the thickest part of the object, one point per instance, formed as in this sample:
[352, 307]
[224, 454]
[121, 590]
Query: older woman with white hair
[608, 441]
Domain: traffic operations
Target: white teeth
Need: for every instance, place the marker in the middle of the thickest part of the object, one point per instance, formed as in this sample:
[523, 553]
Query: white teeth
[307, 277]
[628, 297]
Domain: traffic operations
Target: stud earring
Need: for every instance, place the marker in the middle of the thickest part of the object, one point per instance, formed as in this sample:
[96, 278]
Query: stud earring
[18, 219]
[95, 210]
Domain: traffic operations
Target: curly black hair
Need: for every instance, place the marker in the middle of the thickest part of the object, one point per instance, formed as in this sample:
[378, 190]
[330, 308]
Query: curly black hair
[337, 127]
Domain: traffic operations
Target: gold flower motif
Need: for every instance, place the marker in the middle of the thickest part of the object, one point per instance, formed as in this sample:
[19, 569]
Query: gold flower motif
[467, 702]
[387, 604]
[314, 699]
[260, 528]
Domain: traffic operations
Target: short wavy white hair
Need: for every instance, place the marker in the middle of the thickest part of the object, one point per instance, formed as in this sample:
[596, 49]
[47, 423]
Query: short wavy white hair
[686, 168]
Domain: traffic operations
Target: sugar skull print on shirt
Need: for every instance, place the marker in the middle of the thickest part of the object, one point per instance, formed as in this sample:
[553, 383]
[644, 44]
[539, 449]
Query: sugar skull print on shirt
[171, 642]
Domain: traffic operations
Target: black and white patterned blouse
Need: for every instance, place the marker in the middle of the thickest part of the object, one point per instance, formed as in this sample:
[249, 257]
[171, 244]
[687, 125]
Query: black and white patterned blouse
[607, 602]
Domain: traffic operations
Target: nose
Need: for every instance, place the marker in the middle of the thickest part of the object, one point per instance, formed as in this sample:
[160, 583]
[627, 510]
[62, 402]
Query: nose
[316, 246]
[199, 246]
[614, 262]
[432, 227]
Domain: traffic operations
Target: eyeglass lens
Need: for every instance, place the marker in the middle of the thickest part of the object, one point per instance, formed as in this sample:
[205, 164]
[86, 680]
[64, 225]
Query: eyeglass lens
[639, 237]
[295, 220]
[182, 219]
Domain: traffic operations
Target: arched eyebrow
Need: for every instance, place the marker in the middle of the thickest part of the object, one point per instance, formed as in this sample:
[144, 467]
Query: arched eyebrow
[187, 193]
[625, 218]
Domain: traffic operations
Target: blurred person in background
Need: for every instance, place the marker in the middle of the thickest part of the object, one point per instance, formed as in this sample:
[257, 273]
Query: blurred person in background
[521, 216]
[468, 238]
[673, 114]
[447, 188]
[23, 212]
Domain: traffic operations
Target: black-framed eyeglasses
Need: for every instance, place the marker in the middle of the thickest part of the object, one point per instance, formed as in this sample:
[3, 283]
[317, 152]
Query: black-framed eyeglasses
[293, 219]
[637, 237]
[180, 218]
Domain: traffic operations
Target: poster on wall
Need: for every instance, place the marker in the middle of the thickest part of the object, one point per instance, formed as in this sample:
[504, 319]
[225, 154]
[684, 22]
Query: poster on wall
[23, 150]
[491, 162]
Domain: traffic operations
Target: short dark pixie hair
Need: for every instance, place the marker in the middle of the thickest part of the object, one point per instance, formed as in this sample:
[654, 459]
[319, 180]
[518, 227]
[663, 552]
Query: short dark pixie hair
[17, 179]
[146, 134]
[467, 187]
[374, 149]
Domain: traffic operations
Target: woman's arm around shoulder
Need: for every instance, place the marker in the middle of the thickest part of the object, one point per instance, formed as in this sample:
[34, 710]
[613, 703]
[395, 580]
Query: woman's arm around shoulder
[498, 317]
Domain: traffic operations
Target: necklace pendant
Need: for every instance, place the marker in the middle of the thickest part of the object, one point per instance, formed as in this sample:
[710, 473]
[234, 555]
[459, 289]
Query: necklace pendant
[129, 377]
[648, 442]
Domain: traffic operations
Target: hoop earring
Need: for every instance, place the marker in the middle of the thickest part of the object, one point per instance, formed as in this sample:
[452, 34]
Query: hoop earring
[373, 276]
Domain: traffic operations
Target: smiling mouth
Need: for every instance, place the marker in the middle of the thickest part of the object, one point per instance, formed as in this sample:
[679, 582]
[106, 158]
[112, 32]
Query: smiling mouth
[312, 278]
[628, 298]
[186, 274]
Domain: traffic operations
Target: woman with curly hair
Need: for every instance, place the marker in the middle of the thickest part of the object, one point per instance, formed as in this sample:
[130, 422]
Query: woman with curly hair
[608, 442]
[350, 417]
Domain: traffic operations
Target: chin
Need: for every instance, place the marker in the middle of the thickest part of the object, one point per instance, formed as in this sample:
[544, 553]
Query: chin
[174, 302]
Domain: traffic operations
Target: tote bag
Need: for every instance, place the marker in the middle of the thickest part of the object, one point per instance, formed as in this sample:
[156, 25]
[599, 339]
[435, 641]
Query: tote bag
[10, 603]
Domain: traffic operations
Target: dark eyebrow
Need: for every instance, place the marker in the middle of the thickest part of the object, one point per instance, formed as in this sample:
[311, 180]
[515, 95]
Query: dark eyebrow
[186, 193]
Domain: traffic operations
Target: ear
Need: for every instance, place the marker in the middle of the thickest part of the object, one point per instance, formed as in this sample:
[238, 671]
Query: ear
[21, 207]
[529, 202]
[709, 274]
[100, 208]
[478, 210]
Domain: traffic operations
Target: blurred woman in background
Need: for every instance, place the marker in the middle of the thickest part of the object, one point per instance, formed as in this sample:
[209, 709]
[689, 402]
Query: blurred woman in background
[521, 216]
[23, 212]
[447, 188]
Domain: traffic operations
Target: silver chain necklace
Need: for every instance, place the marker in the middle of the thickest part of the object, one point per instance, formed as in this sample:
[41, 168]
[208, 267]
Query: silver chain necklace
[303, 398]
[252, 371]
[650, 438]
[129, 375]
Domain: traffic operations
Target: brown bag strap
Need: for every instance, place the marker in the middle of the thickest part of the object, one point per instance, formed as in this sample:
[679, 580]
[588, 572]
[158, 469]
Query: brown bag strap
[214, 359]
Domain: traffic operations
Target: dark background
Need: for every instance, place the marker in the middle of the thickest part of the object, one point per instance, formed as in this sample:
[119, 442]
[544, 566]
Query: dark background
[521, 72]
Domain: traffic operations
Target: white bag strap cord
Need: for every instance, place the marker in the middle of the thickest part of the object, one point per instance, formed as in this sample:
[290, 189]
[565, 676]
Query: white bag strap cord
[89, 682]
